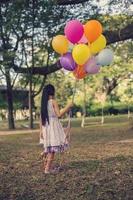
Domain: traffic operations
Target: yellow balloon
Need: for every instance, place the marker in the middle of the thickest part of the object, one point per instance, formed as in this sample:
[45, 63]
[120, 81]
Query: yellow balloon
[98, 45]
[81, 53]
[60, 44]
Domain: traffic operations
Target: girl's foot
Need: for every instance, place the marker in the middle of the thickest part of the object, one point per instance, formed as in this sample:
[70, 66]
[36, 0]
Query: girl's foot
[59, 168]
[46, 171]
[52, 171]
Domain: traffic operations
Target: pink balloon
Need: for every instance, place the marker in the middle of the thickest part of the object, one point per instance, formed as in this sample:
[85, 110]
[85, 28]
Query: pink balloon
[91, 66]
[74, 31]
[83, 40]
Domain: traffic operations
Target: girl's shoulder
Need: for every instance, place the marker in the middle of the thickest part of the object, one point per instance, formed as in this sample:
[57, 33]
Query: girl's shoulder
[54, 102]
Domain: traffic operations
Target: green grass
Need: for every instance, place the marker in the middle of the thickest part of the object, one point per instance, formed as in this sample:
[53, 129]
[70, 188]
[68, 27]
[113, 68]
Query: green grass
[99, 165]
[23, 124]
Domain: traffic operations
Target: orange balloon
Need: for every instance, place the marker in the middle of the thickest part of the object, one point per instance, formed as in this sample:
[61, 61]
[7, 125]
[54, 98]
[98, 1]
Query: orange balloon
[92, 30]
[79, 72]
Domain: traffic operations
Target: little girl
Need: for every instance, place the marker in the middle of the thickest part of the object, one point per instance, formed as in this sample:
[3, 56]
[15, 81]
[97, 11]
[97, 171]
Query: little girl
[52, 132]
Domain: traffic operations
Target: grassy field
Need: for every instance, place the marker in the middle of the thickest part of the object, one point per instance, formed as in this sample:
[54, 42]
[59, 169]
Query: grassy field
[99, 165]
[24, 124]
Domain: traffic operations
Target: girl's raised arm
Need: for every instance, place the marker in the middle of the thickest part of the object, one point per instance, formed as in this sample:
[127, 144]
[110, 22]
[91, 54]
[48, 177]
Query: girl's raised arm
[59, 112]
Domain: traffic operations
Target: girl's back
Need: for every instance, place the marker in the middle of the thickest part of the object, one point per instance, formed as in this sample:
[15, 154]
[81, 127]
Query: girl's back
[51, 111]
[53, 132]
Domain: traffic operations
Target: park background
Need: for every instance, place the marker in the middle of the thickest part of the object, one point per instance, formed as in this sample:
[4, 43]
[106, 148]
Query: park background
[99, 164]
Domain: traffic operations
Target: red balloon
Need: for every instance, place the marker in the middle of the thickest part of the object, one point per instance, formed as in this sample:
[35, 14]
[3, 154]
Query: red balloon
[79, 72]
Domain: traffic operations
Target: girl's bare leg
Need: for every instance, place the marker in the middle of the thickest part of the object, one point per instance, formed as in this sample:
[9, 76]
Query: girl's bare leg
[48, 165]
[62, 160]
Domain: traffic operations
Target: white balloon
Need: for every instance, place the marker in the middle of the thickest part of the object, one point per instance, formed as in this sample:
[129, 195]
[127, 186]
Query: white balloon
[105, 57]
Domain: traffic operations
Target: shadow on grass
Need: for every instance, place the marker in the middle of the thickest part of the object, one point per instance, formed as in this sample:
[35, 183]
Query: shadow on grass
[88, 165]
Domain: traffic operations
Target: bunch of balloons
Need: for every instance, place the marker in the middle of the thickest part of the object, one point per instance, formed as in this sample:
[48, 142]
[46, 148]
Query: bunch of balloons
[82, 48]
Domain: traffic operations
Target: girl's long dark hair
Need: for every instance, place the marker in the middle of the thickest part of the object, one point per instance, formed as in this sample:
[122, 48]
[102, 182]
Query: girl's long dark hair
[48, 90]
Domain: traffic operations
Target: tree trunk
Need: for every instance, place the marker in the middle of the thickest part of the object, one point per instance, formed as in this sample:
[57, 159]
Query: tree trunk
[70, 2]
[11, 124]
[30, 104]
[31, 72]
[129, 114]
[102, 118]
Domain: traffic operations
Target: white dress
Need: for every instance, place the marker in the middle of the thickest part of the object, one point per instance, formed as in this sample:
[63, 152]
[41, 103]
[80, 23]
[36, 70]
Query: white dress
[54, 137]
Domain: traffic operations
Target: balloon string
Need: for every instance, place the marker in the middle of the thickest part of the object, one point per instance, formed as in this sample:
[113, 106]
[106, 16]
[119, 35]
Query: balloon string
[70, 112]
[74, 91]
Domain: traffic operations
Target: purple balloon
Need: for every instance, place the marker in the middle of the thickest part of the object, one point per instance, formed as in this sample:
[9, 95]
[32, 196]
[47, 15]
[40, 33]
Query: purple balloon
[67, 62]
[91, 66]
